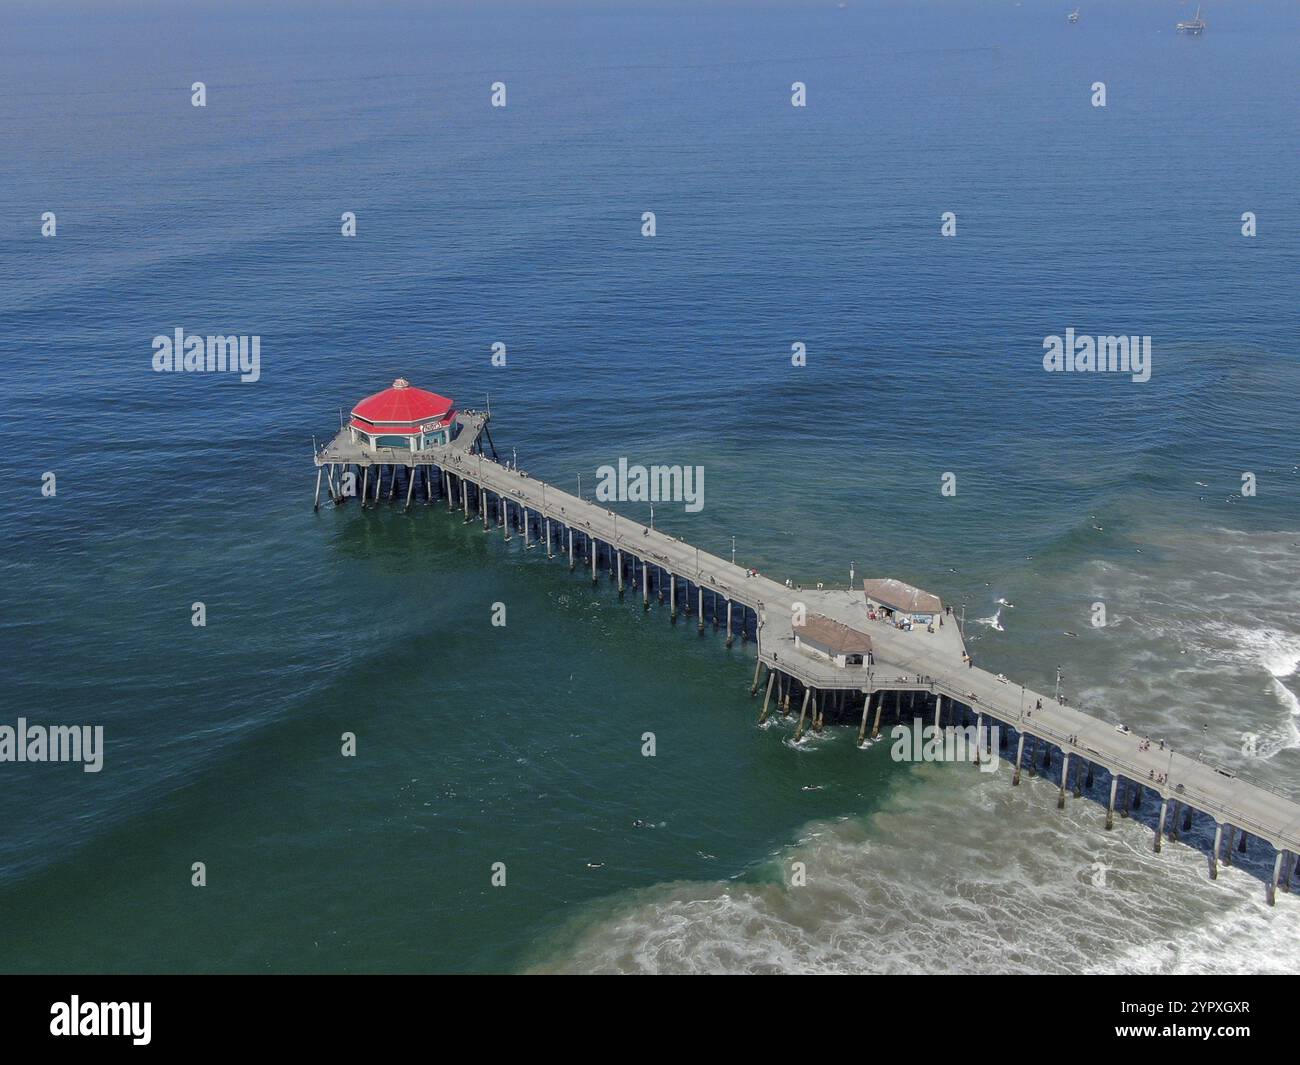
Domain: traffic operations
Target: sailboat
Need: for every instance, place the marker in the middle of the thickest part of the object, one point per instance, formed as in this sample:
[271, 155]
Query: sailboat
[1194, 26]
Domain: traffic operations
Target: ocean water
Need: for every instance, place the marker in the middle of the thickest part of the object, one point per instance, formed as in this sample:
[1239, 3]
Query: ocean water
[775, 226]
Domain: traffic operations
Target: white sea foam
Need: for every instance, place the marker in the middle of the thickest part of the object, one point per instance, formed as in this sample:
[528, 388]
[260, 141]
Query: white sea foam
[1011, 886]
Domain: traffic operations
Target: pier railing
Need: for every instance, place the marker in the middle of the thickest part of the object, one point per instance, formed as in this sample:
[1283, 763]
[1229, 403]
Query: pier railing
[1136, 773]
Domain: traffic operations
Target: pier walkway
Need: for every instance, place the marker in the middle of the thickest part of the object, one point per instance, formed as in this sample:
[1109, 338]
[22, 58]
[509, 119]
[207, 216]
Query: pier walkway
[930, 663]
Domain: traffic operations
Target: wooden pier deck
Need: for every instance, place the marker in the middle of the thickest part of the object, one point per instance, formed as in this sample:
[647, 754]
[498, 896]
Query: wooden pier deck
[916, 660]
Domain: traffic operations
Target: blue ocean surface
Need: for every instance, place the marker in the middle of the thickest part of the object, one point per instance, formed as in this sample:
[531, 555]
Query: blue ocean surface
[522, 225]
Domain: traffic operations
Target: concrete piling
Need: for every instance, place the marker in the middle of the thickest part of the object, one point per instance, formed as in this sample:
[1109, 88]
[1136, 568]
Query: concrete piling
[771, 679]
[803, 713]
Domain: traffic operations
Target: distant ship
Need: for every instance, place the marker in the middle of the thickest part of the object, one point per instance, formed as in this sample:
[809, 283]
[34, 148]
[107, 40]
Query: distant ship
[1074, 16]
[1194, 27]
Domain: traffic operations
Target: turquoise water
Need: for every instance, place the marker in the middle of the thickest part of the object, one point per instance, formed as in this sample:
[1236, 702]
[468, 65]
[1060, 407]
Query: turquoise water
[521, 745]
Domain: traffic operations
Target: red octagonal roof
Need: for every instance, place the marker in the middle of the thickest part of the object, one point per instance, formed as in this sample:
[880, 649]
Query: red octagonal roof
[403, 405]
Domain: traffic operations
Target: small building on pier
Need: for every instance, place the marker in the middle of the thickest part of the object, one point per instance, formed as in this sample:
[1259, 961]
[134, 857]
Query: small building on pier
[833, 641]
[894, 600]
[403, 417]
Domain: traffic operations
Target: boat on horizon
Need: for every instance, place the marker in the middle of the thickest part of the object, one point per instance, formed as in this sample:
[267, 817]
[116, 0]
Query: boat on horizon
[1194, 26]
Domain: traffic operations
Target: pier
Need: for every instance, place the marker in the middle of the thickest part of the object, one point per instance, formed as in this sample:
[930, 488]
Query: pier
[856, 670]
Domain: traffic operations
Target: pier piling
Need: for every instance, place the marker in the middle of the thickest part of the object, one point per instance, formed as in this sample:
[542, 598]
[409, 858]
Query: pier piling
[767, 696]
[803, 713]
